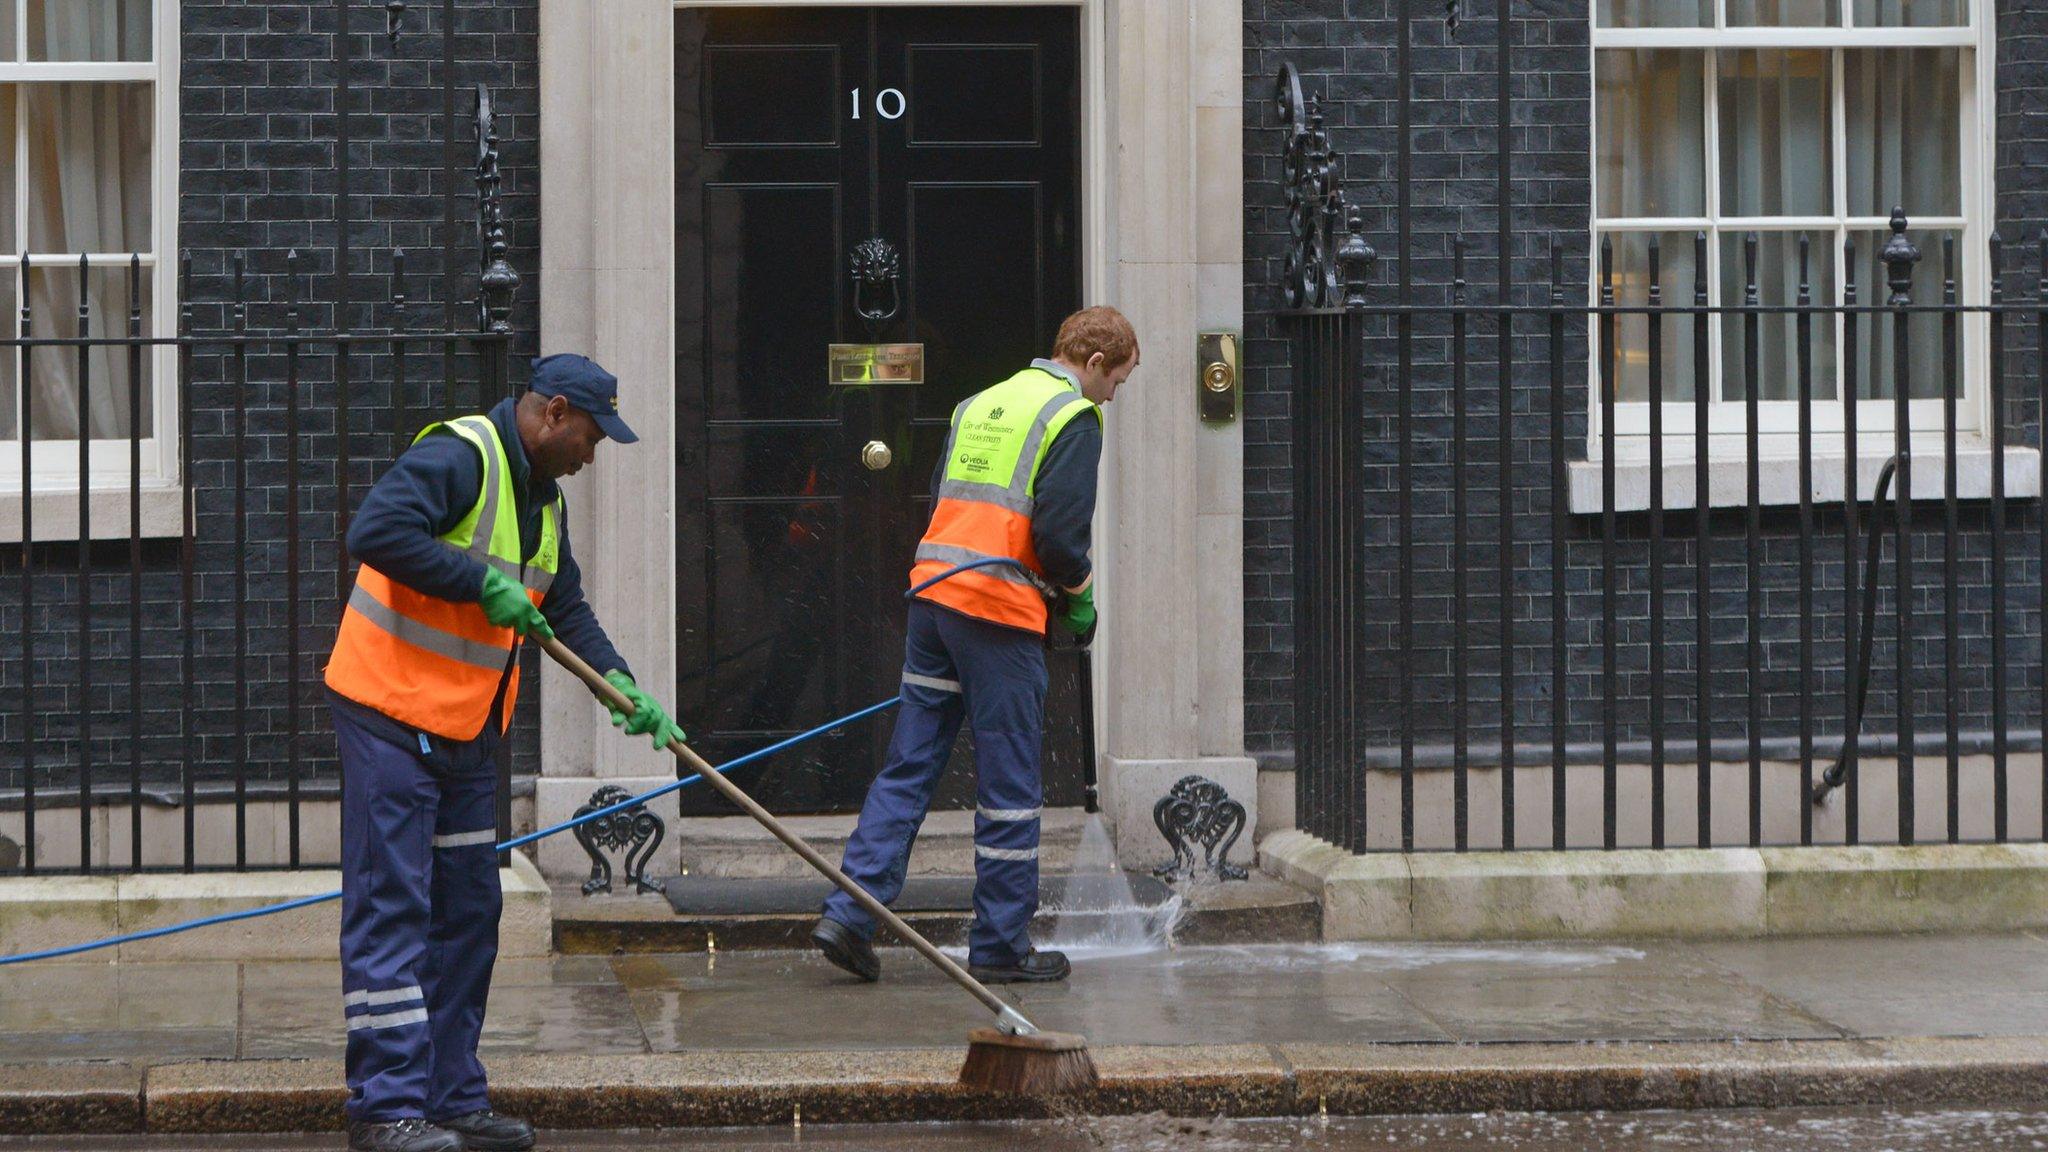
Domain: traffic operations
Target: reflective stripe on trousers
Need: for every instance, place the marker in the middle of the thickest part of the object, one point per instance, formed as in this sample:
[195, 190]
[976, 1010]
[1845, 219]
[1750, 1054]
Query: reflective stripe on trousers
[419, 923]
[1001, 673]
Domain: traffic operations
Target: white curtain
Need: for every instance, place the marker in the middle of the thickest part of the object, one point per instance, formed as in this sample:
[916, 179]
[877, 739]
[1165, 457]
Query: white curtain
[1652, 133]
[88, 161]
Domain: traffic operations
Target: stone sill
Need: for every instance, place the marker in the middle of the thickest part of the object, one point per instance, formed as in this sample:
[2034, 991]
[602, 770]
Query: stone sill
[1778, 486]
[1666, 894]
[55, 512]
[39, 912]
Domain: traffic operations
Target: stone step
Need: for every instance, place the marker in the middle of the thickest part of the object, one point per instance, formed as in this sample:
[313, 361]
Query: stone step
[767, 913]
[735, 847]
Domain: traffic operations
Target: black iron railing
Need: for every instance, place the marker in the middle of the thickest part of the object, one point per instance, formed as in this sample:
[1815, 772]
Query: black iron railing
[160, 705]
[1672, 657]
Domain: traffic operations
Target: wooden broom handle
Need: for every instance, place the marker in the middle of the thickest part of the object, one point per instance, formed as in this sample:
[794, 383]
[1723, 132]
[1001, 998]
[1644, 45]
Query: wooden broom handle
[609, 692]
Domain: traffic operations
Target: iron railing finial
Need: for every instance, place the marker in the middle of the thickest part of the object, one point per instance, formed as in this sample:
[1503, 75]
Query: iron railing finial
[1899, 256]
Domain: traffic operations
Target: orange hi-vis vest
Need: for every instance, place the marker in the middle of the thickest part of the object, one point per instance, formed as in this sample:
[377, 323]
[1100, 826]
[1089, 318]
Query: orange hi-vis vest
[435, 664]
[998, 440]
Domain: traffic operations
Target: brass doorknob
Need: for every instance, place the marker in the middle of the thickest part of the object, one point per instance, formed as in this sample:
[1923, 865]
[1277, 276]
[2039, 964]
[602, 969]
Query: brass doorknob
[876, 455]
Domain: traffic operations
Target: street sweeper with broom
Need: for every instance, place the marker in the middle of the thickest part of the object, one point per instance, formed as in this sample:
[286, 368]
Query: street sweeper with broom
[1013, 495]
[464, 548]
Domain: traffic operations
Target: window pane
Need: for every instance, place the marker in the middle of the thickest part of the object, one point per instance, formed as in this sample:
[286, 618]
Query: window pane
[1778, 351]
[54, 390]
[1675, 273]
[1876, 372]
[1905, 134]
[1652, 115]
[1911, 13]
[1775, 133]
[88, 30]
[9, 50]
[1784, 13]
[1656, 13]
[88, 167]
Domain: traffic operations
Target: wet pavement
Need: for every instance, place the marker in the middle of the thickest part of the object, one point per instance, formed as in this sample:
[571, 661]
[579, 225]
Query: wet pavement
[1778, 1130]
[1810, 989]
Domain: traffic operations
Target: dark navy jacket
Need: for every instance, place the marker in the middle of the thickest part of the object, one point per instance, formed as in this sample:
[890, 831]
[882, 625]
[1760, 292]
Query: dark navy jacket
[427, 492]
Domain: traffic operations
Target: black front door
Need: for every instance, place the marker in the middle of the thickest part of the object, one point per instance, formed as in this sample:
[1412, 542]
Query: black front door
[947, 139]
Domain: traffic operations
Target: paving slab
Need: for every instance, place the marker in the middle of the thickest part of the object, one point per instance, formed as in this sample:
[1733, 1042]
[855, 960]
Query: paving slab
[560, 1018]
[1526, 1008]
[1961, 985]
[42, 998]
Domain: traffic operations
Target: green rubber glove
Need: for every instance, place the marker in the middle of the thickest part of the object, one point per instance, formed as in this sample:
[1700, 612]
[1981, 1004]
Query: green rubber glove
[1077, 612]
[647, 719]
[507, 605]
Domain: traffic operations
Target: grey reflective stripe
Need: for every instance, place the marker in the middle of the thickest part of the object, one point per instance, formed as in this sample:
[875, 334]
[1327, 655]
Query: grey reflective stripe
[458, 648]
[1006, 853]
[956, 555]
[1007, 498]
[952, 686]
[538, 580]
[1020, 482]
[487, 519]
[388, 996]
[388, 1019]
[1010, 815]
[465, 839]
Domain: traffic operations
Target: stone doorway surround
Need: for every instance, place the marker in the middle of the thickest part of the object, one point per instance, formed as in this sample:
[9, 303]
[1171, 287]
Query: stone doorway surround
[1162, 174]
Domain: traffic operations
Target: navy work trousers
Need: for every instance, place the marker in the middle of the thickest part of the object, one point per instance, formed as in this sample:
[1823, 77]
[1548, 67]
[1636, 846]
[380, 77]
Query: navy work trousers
[419, 921]
[958, 668]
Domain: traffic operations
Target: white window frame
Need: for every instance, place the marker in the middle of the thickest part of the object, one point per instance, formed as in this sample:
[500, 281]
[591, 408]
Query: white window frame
[55, 479]
[1778, 420]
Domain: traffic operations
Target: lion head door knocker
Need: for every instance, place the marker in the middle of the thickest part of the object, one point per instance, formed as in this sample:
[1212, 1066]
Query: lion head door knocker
[635, 830]
[1198, 811]
[876, 276]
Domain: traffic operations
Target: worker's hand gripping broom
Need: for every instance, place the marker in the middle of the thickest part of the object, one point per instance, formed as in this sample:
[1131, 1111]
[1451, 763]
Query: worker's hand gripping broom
[1012, 1057]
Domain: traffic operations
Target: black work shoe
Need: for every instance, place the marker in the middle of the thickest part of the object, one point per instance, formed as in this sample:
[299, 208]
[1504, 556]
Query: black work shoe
[489, 1131]
[845, 948]
[1035, 968]
[411, 1134]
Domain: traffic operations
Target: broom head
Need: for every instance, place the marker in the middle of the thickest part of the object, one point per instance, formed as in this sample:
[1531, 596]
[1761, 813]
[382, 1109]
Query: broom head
[1040, 1064]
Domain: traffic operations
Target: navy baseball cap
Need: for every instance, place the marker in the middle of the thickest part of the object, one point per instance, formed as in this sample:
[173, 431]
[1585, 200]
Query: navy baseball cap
[586, 385]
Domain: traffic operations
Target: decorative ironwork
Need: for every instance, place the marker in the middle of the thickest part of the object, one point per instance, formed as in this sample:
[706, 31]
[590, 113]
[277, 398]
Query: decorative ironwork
[498, 281]
[634, 830]
[874, 265]
[1356, 259]
[394, 13]
[1198, 811]
[1899, 256]
[1314, 200]
[1451, 17]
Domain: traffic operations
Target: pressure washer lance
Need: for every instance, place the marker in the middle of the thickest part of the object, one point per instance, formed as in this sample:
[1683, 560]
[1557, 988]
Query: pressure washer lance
[1014, 1056]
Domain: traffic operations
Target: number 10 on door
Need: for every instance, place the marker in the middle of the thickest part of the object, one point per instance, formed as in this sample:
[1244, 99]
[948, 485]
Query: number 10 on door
[889, 103]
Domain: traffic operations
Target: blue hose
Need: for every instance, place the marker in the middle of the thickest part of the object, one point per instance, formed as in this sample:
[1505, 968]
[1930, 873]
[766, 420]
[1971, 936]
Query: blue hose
[530, 837]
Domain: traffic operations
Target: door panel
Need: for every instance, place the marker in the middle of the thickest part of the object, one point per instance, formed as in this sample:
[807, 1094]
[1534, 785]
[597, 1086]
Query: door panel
[952, 135]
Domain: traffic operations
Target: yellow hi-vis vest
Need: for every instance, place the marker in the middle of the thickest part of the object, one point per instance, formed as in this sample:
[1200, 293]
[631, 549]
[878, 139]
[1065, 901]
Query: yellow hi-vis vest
[435, 664]
[993, 452]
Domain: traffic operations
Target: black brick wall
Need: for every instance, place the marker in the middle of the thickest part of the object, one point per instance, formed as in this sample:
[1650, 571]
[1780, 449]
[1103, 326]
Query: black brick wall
[1345, 51]
[257, 179]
